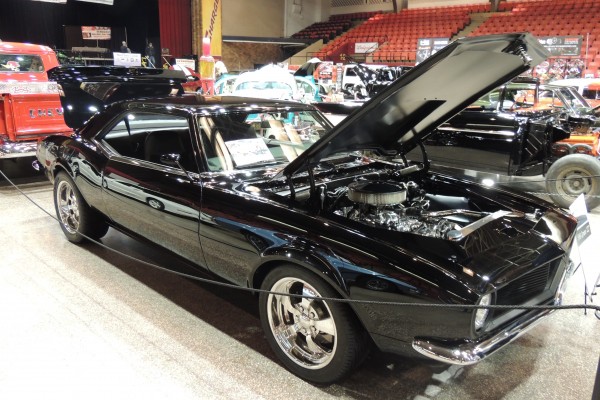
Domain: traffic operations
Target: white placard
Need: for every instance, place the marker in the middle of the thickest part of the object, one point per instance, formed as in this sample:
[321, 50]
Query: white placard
[186, 62]
[249, 151]
[365, 47]
[128, 59]
[579, 210]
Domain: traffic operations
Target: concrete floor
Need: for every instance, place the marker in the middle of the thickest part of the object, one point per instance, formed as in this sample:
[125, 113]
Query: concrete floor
[79, 322]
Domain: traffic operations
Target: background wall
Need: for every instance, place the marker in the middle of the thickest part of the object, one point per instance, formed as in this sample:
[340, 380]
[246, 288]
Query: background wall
[253, 18]
[387, 6]
[301, 13]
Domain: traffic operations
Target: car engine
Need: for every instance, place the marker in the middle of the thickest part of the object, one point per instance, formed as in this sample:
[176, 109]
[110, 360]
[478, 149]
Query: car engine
[400, 207]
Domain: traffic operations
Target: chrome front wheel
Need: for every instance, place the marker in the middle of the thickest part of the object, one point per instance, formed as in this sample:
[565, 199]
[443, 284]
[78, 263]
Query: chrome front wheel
[320, 341]
[304, 329]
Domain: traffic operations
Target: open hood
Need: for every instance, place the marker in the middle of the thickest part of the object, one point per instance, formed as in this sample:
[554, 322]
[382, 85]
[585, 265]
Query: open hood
[86, 90]
[409, 109]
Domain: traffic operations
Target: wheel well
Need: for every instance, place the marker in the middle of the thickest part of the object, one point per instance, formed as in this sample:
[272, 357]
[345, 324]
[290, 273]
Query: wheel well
[59, 168]
[263, 270]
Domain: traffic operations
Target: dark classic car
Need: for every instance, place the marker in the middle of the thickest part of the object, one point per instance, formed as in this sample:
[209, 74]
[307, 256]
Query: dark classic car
[526, 129]
[320, 211]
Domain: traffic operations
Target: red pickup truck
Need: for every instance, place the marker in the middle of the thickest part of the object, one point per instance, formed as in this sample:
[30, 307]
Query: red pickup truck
[30, 107]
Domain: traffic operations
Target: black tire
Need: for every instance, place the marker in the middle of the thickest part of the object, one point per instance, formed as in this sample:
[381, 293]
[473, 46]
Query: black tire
[321, 342]
[571, 176]
[76, 218]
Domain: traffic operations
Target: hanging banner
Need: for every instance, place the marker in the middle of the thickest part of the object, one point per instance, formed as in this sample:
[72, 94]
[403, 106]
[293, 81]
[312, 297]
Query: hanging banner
[562, 46]
[106, 2]
[95, 32]
[211, 25]
[429, 46]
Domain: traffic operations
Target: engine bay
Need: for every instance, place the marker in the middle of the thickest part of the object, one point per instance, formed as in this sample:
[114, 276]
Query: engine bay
[391, 198]
[402, 207]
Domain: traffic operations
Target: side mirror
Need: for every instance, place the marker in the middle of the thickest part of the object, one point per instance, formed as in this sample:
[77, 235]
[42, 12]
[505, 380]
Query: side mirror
[172, 160]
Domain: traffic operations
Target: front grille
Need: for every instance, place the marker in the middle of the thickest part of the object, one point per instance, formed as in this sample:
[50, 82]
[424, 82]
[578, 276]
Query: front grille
[527, 286]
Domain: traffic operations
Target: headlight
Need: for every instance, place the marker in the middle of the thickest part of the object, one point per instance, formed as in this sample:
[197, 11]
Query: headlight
[482, 313]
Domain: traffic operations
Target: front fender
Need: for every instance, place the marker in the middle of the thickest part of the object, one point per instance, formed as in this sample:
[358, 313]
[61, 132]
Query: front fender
[311, 260]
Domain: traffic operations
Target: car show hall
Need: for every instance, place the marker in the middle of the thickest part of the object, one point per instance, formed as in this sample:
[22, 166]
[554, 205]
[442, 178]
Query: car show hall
[332, 199]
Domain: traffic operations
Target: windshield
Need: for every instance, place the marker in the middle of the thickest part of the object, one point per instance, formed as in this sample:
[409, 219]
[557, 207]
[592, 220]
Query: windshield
[529, 97]
[235, 141]
[574, 100]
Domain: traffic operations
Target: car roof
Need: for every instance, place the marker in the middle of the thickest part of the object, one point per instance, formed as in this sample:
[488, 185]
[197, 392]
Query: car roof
[200, 102]
[23, 48]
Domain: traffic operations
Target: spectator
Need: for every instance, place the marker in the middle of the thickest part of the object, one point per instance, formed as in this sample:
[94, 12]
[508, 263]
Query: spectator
[220, 69]
[150, 55]
[124, 48]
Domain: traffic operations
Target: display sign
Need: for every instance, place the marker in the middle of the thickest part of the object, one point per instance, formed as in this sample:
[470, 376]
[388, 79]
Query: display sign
[579, 210]
[365, 47]
[428, 46]
[186, 62]
[128, 59]
[560, 68]
[249, 151]
[562, 46]
[324, 72]
[106, 2]
[95, 32]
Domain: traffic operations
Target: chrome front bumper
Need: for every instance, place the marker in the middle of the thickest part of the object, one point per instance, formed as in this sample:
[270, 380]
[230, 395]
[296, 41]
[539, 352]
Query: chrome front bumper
[466, 352]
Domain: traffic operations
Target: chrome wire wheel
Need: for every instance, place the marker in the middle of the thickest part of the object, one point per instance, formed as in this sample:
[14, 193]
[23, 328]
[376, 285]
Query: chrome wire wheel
[304, 329]
[67, 206]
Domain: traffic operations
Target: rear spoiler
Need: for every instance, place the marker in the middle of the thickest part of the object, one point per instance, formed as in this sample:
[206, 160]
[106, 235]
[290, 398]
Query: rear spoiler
[87, 90]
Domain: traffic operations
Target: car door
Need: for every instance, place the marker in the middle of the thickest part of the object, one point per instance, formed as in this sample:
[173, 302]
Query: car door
[481, 137]
[158, 202]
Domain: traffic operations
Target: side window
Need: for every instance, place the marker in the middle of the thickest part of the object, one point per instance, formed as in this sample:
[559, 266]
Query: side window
[488, 101]
[148, 136]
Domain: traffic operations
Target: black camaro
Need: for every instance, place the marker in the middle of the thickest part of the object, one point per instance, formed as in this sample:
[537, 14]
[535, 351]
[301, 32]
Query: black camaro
[266, 194]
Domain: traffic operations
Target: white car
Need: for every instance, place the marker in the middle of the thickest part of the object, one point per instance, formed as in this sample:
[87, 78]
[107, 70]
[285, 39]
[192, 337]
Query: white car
[269, 82]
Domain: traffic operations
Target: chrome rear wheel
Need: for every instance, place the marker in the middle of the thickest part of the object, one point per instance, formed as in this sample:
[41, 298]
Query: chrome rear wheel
[67, 206]
[77, 219]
